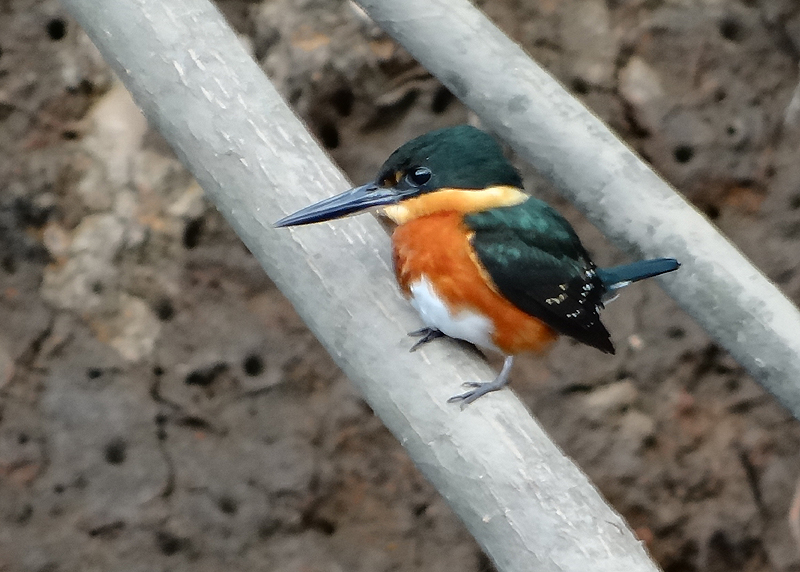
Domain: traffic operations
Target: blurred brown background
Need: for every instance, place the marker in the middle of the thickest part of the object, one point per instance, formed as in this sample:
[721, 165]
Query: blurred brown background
[163, 408]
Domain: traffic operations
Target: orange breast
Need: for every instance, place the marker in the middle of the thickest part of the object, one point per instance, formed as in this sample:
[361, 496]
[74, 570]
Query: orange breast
[437, 247]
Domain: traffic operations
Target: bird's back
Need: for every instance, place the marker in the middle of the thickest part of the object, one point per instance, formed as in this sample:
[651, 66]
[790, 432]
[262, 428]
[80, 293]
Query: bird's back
[537, 262]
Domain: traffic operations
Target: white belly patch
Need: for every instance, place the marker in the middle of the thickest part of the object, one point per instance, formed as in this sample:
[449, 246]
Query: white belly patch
[465, 325]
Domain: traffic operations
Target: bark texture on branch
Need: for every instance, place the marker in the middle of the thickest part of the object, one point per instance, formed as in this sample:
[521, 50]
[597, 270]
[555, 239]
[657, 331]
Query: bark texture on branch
[527, 505]
[622, 196]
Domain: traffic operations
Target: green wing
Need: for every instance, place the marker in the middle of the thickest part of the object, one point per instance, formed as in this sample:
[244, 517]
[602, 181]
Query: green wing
[539, 264]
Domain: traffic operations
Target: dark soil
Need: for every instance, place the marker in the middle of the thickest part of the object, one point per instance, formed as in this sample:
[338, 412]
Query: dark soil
[162, 407]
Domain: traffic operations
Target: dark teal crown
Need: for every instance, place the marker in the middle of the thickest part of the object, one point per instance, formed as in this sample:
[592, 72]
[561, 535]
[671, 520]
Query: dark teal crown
[460, 157]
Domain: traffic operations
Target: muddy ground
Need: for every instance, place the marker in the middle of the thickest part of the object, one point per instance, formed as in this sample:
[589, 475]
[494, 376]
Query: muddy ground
[163, 408]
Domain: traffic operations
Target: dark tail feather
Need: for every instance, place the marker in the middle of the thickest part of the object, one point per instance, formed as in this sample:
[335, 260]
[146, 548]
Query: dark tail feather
[619, 276]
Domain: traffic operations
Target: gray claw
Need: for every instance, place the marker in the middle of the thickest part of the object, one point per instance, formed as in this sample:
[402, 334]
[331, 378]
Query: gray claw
[428, 335]
[481, 389]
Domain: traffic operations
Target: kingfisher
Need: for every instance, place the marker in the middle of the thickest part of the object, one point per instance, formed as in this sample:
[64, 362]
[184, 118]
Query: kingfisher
[478, 258]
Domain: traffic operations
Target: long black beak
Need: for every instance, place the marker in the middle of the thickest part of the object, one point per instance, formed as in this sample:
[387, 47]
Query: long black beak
[347, 203]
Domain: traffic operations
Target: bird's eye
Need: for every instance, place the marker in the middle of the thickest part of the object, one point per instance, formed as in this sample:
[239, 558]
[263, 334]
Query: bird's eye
[419, 176]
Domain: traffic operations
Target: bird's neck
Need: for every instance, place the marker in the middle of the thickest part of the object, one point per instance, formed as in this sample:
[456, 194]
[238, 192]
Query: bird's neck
[465, 201]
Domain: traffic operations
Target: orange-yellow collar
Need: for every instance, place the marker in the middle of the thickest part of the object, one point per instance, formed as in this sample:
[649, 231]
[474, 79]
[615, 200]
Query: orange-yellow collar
[464, 201]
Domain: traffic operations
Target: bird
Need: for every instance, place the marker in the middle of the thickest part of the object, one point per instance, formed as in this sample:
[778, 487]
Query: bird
[479, 259]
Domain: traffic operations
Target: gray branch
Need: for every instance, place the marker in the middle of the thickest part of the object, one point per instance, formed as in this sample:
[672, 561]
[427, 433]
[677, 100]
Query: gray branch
[622, 196]
[526, 504]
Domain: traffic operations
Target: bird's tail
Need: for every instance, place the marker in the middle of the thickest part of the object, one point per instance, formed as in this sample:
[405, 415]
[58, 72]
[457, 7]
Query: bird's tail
[619, 276]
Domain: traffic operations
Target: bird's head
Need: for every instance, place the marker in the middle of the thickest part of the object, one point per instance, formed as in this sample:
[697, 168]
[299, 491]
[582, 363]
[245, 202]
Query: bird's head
[456, 168]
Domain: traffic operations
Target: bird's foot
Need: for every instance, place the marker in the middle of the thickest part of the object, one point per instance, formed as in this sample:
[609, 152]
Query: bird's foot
[428, 335]
[479, 389]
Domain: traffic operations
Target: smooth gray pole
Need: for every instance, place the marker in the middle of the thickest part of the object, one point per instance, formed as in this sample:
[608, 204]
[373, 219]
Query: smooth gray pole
[590, 166]
[527, 505]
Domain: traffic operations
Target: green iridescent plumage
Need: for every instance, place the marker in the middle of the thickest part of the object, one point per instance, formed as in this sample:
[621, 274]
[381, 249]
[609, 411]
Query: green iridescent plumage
[460, 157]
[538, 263]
